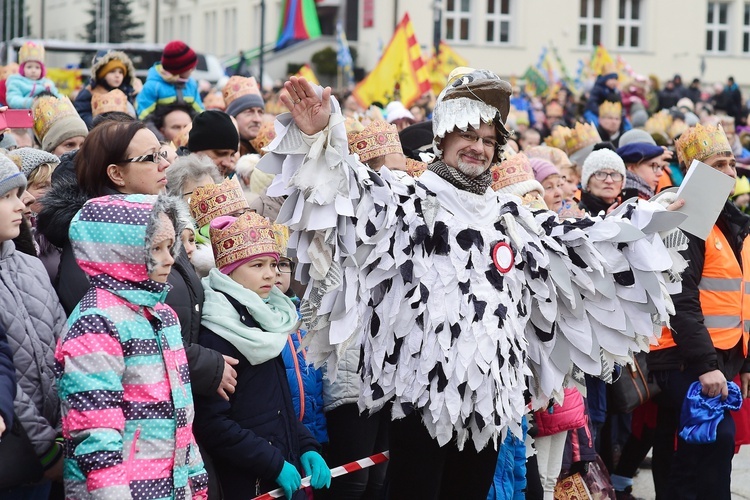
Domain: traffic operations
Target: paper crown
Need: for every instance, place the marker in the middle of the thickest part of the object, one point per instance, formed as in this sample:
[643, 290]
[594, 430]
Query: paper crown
[727, 122]
[31, 51]
[114, 100]
[415, 168]
[214, 200]
[741, 186]
[552, 154]
[352, 125]
[249, 235]
[266, 134]
[238, 86]
[281, 233]
[677, 128]
[611, 109]
[511, 171]
[47, 110]
[183, 137]
[558, 138]
[583, 135]
[214, 100]
[7, 70]
[701, 142]
[379, 138]
[659, 123]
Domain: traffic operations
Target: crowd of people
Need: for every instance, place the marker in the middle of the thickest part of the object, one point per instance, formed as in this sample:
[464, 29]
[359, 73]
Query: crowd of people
[215, 292]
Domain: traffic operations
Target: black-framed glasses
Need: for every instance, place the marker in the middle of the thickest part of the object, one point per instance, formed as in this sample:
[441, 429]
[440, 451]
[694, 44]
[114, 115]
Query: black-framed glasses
[154, 158]
[285, 266]
[470, 136]
[656, 167]
[601, 176]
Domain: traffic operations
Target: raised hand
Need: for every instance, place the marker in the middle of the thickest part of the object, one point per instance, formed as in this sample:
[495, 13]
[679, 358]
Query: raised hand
[309, 111]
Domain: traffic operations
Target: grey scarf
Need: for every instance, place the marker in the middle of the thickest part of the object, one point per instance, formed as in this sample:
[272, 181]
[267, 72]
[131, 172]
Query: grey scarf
[476, 185]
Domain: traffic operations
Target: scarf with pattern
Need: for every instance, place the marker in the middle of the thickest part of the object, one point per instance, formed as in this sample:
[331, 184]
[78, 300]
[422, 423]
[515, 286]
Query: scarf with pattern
[475, 185]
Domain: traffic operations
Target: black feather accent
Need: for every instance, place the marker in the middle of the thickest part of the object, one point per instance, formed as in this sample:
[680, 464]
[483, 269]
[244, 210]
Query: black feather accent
[479, 307]
[439, 328]
[370, 228]
[501, 312]
[407, 271]
[462, 389]
[425, 292]
[500, 358]
[438, 372]
[479, 420]
[374, 325]
[625, 278]
[469, 263]
[421, 234]
[544, 336]
[576, 259]
[420, 320]
[377, 391]
[439, 240]
[495, 279]
[392, 358]
[455, 331]
[464, 286]
[469, 237]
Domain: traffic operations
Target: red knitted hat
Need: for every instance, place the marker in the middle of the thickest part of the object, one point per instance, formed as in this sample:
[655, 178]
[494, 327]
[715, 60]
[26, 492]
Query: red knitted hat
[178, 58]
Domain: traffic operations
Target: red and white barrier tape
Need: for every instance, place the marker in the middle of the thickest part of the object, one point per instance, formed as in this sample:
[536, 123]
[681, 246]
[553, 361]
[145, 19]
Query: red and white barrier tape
[360, 464]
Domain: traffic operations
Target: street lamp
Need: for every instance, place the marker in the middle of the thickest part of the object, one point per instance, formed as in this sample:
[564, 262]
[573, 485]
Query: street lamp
[262, 40]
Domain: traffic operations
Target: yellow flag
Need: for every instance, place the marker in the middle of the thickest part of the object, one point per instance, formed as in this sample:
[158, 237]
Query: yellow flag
[602, 62]
[439, 68]
[401, 73]
[67, 81]
[308, 74]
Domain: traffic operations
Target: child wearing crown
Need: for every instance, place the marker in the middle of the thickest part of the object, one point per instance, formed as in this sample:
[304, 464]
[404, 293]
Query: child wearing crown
[255, 439]
[30, 80]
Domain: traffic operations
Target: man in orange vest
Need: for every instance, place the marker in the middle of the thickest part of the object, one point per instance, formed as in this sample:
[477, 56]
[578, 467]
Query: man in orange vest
[709, 337]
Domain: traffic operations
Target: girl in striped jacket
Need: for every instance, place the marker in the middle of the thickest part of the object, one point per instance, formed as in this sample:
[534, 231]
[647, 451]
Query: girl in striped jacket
[124, 382]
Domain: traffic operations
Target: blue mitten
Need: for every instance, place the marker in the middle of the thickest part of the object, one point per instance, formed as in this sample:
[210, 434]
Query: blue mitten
[317, 468]
[289, 479]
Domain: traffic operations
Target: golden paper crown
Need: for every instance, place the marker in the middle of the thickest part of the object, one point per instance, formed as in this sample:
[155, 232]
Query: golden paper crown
[214, 100]
[7, 70]
[183, 137]
[583, 135]
[48, 109]
[237, 86]
[552, 154]
[727, 123]
[511, 171]
[558, 138]
[214, 200]
[379, 138]
[114, 100]
[701, 142]
[677, 128]
[415, 168]
[611, 109]
[659, 123]
[249, 235]
[281, 233]
[266, 134]
[352, 125]
[31, 51]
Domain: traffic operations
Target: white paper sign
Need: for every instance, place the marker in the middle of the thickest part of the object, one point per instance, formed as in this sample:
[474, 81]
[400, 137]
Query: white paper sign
[705, 190]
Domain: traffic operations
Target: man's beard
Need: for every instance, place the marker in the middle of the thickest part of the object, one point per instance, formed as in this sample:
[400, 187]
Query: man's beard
[470, 169]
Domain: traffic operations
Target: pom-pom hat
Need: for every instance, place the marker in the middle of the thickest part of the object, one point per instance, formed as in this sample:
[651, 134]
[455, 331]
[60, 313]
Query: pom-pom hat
[178, 58]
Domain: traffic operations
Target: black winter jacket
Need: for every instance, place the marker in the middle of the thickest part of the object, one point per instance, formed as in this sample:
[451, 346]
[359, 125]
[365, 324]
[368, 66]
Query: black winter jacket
[7, 380]
[694, 350]
[250, 436]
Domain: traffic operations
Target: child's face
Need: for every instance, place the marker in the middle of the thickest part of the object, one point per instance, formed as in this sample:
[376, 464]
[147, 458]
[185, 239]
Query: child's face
[284, 275]
[188, 241]
[115, 77]
[162, 255]
[32, 70]
[257, 275]
[570, 183]
[11, 214]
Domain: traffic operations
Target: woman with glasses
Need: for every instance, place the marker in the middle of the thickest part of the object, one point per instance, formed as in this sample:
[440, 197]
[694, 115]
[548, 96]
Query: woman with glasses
[645, 166]
[602, 180]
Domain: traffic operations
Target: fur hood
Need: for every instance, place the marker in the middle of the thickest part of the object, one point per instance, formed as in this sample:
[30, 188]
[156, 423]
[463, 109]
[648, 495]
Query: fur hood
[99, 62]
[59, 205]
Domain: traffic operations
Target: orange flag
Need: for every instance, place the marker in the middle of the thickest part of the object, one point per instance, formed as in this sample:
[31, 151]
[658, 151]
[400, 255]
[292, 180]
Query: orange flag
[307, 72]
[400, 74]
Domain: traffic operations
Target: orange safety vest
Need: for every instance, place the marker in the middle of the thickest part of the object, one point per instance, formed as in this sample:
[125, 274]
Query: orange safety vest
[724, 295]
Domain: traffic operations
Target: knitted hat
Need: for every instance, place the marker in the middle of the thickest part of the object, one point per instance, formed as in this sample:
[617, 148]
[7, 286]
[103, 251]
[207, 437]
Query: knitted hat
[397, 111]
[514, 176]
[553, 155]
[110, 66]
[266, 134]
[215, 200]
[700, 143]
[178, 58]
[377, 139]
[603, 159]
[241, 93]
[55, 121]
[639, 118]
[542, 169]
[114, 100]
[31, 158]
[10, 177]
[105, 62]
[213, 130]
[31, 52]
[636, 152]
[636, 135]
[236, 240]
[8, 142]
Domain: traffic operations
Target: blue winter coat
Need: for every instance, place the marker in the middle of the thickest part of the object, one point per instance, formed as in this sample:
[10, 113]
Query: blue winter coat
[250, 436]
[21, 91]
[509, 482]
[306, 385]
[157, 91]
[7, 380]
[601, 93]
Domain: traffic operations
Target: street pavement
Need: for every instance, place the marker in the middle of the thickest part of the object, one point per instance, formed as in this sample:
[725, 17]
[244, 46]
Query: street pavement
[643, 484]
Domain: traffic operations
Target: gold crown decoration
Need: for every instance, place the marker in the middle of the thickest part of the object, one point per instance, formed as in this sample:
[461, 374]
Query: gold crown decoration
[558, 138]
[415, 168]
[266, 134]
[281, 233]
[31, 51]
[677, 128]
[238, 86]
[379, 138]
[659, 123]
[610, 109]
[515, 169]
[583, 135]
[183, 137]
[214, 100]
[552, 154]
[8, 69]
[214, 200]
[727, 123]
[353, 125]
[249, 235]
[114, 100]
[47, 110]
[700, 143]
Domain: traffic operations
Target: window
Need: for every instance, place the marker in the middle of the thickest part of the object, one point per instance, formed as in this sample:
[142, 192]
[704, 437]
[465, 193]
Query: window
[717, 27]
[209, 20]
[590, 23]
[498, 21]
[230, 30]
[457, 20]
[629, 24]
[185, 27]
[168, 33]
[746, 30]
